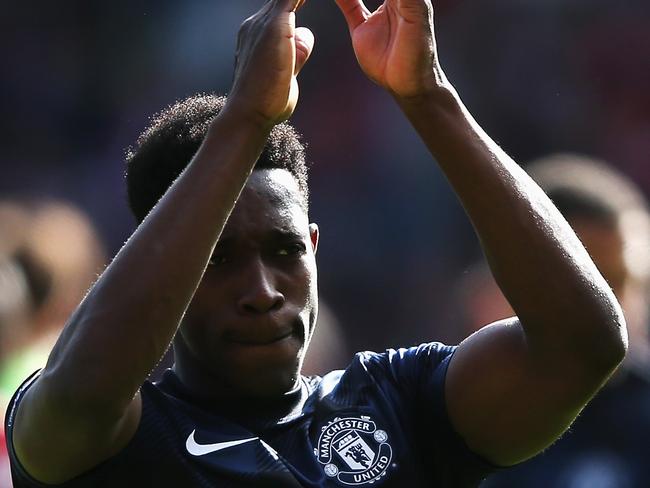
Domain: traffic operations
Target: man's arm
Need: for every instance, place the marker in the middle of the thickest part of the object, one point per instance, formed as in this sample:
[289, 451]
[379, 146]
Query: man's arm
[516, 385]
[85, 405]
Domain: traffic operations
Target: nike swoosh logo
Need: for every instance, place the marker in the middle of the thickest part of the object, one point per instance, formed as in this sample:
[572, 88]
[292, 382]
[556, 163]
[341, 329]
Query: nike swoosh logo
[196, 449]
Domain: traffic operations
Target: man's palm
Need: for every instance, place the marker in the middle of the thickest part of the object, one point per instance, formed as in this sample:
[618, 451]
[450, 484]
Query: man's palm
[394, 44]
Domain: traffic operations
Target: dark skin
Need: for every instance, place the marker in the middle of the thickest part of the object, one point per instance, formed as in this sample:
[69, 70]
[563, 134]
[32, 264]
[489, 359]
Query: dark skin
[511, 388]
[246, 330]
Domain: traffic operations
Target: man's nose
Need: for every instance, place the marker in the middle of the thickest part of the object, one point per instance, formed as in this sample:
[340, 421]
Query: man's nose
[259, 293]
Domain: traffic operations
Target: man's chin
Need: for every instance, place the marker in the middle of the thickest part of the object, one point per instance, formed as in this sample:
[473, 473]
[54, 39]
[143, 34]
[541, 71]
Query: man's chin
[266, 370]
[270, 384]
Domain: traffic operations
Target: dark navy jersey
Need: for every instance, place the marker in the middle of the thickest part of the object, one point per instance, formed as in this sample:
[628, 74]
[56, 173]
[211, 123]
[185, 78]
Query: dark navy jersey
[380, 422]
[607, 445]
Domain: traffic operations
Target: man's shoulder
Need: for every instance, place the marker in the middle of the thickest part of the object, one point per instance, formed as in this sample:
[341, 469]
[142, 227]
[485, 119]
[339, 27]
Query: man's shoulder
[136, 462]
[402, 363]
[396, 374]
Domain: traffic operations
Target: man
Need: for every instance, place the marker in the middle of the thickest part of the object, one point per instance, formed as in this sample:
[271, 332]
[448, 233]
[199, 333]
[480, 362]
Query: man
[228, 253]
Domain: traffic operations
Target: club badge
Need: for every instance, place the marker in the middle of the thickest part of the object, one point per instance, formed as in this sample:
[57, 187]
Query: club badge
[354, 451]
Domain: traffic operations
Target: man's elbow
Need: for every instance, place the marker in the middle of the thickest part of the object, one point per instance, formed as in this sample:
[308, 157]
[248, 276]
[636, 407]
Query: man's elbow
[609, 347]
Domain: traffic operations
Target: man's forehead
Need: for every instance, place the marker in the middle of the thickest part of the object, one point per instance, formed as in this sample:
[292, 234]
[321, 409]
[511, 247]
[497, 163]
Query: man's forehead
[278, 185]
[271, 204]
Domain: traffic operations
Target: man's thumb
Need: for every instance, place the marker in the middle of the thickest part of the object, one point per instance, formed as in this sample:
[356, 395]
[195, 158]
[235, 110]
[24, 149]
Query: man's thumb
[304, 39]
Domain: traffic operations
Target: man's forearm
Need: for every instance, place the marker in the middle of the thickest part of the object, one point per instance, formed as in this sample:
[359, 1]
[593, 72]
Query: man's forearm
[542, 268]
[128, 319]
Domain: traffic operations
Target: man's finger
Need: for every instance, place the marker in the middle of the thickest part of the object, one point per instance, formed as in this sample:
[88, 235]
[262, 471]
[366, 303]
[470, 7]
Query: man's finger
[354, 11]
[304, 46]
[417, 7]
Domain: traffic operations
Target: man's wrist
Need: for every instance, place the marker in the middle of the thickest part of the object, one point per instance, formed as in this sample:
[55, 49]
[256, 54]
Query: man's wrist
[237, 131]
[240, 115]
[439, 98]
[432, 87]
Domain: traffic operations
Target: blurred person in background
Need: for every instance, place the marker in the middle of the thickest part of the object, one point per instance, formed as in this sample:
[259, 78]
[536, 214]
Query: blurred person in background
[15, 302]
[49, 256]
[223, 264]
[607, 446]
[52, 255]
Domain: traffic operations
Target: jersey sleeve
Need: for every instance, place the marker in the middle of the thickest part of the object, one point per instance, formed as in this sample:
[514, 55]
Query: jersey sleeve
[95, 477]
[20, 478]
[416, 379]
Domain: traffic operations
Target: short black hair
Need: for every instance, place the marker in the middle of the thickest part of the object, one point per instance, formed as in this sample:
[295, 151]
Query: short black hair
[167, 146]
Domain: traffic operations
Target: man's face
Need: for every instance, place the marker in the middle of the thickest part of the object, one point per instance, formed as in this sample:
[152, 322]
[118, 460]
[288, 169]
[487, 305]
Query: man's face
[251, 318]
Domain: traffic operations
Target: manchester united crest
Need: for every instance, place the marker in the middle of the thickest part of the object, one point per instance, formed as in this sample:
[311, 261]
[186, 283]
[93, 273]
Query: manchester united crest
[354, 451]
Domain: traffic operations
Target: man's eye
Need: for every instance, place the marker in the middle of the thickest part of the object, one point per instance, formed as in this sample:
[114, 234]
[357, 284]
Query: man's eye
[291, 250]
[217, 259]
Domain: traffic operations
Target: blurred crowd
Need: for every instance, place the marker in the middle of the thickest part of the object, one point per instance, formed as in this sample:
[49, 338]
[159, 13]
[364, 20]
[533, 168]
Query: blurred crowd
[398, 261]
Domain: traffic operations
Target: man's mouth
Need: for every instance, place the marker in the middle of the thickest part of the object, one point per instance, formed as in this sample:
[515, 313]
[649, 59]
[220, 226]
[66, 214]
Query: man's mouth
[262, 339]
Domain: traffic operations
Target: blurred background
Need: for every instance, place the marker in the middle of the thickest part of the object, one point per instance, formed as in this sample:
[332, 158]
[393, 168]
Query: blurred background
[81, 79]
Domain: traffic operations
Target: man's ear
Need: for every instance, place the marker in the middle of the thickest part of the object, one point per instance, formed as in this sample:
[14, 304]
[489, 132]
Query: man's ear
[313, 236]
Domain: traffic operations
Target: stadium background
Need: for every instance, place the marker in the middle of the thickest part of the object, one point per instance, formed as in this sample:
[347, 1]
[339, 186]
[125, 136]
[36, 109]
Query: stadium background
[80, 79]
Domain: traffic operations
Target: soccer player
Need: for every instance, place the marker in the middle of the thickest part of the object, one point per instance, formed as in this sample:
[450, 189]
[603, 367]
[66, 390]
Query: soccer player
[223, 264]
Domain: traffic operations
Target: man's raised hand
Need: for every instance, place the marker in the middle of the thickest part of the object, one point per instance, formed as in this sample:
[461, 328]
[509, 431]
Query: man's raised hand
[271, 51]
[395, 44]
